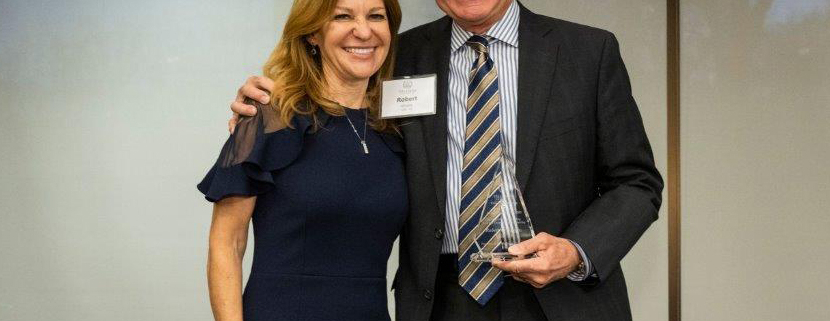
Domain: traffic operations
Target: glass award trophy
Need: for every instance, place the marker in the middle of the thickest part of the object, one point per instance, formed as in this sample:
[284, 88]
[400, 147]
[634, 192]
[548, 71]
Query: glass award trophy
[512, 225]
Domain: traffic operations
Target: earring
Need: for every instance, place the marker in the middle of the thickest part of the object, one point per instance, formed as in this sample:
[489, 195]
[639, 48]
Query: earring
[314, 50]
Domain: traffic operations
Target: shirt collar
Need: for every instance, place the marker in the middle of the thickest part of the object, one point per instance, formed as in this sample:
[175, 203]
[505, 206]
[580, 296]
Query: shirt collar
[505, 30]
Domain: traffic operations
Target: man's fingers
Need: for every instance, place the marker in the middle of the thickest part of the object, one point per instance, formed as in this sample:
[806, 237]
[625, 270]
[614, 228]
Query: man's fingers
[524, 279]
[538, 278]
[533, 245]
[264, 83]
[523, 248]
[255, 93]
[232, 122]
[527, 272]
[508, 266]
[502, 265]
[238, 106]
[243, 109]
[257, 88]
[518, 266]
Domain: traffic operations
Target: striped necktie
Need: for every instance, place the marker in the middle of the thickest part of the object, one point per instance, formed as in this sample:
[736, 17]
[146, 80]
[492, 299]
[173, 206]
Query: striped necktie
[480, 177]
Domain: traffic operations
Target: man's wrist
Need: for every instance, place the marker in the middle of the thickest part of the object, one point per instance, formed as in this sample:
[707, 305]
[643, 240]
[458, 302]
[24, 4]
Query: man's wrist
[583, 269]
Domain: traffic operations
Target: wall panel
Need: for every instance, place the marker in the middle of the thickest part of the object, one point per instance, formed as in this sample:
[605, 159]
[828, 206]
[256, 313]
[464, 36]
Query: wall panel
[755, 115]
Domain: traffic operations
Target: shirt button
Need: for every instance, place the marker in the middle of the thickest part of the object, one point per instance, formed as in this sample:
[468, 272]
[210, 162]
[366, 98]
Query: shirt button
[427, 295]
[439, 234]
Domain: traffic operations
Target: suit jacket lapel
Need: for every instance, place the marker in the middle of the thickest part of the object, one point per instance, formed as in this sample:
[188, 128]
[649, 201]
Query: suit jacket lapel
[537, 63]
[435, 127]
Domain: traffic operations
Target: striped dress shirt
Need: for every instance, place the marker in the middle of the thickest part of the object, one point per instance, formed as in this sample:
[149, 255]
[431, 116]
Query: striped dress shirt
[504, 50]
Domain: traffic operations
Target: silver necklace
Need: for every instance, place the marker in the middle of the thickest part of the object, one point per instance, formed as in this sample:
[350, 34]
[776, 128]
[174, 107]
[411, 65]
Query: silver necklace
[366, 120]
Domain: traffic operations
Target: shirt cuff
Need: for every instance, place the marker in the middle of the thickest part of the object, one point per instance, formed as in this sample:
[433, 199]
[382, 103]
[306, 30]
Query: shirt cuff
[587, 269]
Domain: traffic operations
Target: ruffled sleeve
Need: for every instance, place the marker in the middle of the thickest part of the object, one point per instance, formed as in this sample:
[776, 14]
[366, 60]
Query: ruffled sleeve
[259, 146]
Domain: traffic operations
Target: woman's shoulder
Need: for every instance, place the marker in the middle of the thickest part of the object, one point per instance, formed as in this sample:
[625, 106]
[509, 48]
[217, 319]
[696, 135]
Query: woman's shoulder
[259, 145]
[304, 116]
[266, 138]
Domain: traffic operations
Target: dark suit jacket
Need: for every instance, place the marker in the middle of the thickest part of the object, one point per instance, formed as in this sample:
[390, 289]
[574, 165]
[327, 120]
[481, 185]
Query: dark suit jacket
[583, 161]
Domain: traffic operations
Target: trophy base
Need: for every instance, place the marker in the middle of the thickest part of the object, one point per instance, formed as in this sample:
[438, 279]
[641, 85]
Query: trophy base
[498, 256]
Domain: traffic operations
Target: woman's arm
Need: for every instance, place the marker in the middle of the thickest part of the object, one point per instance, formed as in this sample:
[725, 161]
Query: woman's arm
[228, 238]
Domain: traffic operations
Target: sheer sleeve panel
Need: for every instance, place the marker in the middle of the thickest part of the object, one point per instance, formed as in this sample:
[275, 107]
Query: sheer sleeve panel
[259, 146]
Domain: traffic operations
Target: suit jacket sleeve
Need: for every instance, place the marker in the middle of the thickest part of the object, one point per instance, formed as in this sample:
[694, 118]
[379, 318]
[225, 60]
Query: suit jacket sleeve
[628, 183]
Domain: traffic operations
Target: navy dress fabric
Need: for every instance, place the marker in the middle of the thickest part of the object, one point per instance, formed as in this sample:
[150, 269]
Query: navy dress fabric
[325, 218]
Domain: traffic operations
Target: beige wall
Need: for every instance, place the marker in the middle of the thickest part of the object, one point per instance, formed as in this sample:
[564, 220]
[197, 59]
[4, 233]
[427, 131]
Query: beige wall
[112, 112]
[755, 142]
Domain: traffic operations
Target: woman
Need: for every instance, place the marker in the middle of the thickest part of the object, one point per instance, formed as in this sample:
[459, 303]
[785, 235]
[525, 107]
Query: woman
[318, 172]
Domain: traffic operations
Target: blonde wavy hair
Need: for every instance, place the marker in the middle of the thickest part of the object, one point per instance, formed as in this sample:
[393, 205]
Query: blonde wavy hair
[298, 75]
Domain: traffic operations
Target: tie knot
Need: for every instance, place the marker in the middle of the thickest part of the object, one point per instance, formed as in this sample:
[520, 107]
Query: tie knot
[479, 43]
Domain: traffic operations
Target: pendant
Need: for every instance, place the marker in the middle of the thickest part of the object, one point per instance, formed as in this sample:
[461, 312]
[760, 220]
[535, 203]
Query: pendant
[365, 148]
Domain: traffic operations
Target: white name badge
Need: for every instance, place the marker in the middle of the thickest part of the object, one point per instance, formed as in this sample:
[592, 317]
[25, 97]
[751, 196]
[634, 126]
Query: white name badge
[408, 96]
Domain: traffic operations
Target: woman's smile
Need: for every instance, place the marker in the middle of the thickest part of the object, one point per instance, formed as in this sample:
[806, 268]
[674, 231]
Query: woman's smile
[360, 52]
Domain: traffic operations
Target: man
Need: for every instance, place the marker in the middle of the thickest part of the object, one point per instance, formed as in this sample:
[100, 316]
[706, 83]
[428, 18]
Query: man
[554, 96]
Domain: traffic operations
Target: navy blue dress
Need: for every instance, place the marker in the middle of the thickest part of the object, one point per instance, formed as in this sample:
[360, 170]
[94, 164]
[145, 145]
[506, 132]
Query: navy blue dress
[325, 218]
